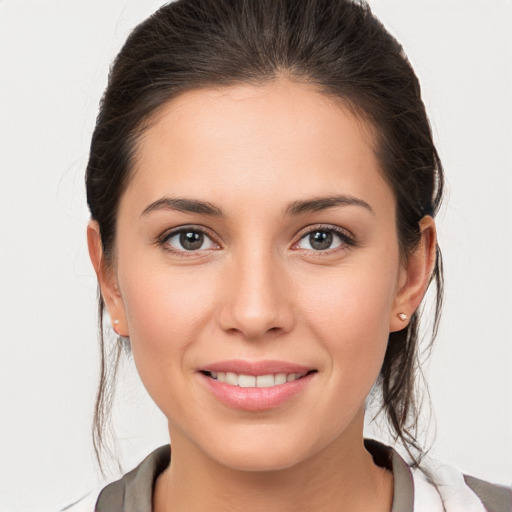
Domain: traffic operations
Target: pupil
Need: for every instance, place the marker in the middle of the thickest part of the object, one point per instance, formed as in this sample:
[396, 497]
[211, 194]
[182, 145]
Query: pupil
[320, 240]
[191, 240]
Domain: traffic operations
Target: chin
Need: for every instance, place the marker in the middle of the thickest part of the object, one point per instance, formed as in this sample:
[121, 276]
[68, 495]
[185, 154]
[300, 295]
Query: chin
[261, 460]
[263, 451]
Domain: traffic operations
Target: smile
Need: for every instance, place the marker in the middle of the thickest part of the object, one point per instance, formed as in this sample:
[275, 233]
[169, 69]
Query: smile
[253, 381]
[256, 386]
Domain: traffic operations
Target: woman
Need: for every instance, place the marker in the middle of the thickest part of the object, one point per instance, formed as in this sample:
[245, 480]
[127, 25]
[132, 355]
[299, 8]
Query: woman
[262, 184]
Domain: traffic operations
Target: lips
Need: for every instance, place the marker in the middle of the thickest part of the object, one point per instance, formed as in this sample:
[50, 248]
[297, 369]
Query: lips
[256, 368]
[255, 386]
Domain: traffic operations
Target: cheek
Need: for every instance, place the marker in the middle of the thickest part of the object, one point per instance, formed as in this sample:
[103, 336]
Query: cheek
[166, 311]
[350, 313]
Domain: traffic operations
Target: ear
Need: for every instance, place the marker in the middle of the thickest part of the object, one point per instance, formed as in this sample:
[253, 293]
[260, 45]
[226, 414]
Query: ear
[415, 276]
[106, 279]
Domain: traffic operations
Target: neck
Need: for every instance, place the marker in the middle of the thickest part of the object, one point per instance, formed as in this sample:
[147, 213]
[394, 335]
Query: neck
[340, 477]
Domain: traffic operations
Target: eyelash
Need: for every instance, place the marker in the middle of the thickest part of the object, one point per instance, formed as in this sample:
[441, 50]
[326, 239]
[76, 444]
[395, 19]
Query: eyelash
[347, 240]
[162, 240]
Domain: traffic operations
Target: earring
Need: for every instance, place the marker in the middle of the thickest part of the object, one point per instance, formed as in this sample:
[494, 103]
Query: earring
[402, 316]
[114, 326]
[123, 339]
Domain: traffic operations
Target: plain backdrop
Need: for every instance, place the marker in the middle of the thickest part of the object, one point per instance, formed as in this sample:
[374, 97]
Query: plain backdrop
[54, 60]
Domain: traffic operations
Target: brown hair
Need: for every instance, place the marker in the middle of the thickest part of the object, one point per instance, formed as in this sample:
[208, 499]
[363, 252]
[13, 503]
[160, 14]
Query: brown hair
[336, 45]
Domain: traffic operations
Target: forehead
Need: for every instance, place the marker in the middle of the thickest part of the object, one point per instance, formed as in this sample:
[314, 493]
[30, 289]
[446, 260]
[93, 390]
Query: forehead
[280, 139]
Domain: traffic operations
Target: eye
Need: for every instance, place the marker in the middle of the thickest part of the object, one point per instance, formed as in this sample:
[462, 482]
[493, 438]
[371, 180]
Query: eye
[188, 240]
[323, 239]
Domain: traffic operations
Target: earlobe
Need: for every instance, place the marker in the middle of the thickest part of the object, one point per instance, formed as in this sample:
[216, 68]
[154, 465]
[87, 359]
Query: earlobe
[106, 279]
[418, 271]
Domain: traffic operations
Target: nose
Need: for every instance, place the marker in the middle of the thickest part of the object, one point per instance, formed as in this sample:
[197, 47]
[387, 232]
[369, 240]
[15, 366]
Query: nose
[256, 296]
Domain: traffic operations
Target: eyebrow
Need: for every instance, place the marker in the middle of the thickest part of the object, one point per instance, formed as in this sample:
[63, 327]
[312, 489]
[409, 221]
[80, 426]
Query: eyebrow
[324, 203]
[183, 205]
[299, 207]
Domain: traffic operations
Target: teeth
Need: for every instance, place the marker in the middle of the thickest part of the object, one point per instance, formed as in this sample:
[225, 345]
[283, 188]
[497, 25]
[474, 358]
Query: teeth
[246, 381]
[280, 378]
[250, 381]
[231, 379]
[265, 381]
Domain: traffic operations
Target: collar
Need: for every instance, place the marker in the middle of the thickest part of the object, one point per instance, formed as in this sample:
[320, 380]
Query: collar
[134, 491]
[403, 483]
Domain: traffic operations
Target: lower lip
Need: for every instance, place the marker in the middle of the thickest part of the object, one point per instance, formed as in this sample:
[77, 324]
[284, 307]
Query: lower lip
[256, 399]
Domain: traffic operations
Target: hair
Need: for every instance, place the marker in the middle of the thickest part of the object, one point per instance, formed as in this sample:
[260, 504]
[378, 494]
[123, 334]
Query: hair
[339, 47]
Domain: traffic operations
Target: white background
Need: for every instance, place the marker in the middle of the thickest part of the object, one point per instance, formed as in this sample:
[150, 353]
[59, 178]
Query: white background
[54, 58]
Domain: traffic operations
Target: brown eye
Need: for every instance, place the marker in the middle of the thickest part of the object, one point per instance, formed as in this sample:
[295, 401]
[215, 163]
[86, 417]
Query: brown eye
[189, 240]
[323, 239]
[320, 240]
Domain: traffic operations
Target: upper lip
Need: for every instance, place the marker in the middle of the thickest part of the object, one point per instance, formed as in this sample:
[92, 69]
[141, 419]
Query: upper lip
[255, 368]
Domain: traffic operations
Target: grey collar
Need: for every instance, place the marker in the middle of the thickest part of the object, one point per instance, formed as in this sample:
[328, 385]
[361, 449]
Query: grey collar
[134, 491]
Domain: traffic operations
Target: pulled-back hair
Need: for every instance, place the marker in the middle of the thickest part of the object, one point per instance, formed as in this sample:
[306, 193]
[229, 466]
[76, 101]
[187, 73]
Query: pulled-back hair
[337, 46]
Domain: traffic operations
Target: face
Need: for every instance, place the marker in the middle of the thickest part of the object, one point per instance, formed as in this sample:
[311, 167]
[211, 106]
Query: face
[257, 272]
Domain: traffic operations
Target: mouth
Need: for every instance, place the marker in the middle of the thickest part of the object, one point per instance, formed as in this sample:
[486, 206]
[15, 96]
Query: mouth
[256, 381]
[256, 386]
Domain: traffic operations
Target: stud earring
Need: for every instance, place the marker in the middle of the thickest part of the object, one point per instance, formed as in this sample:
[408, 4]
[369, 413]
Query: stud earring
[115, 324]
[402, 316]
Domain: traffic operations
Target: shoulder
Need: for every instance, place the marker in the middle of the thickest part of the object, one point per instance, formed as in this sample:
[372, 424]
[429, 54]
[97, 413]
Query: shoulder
[456, 491]
[131, 493]
[496, 498]
[134, 491]
[437, 486]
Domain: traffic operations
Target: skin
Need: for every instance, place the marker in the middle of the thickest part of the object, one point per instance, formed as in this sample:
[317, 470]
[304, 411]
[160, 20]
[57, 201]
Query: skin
[257, 289]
